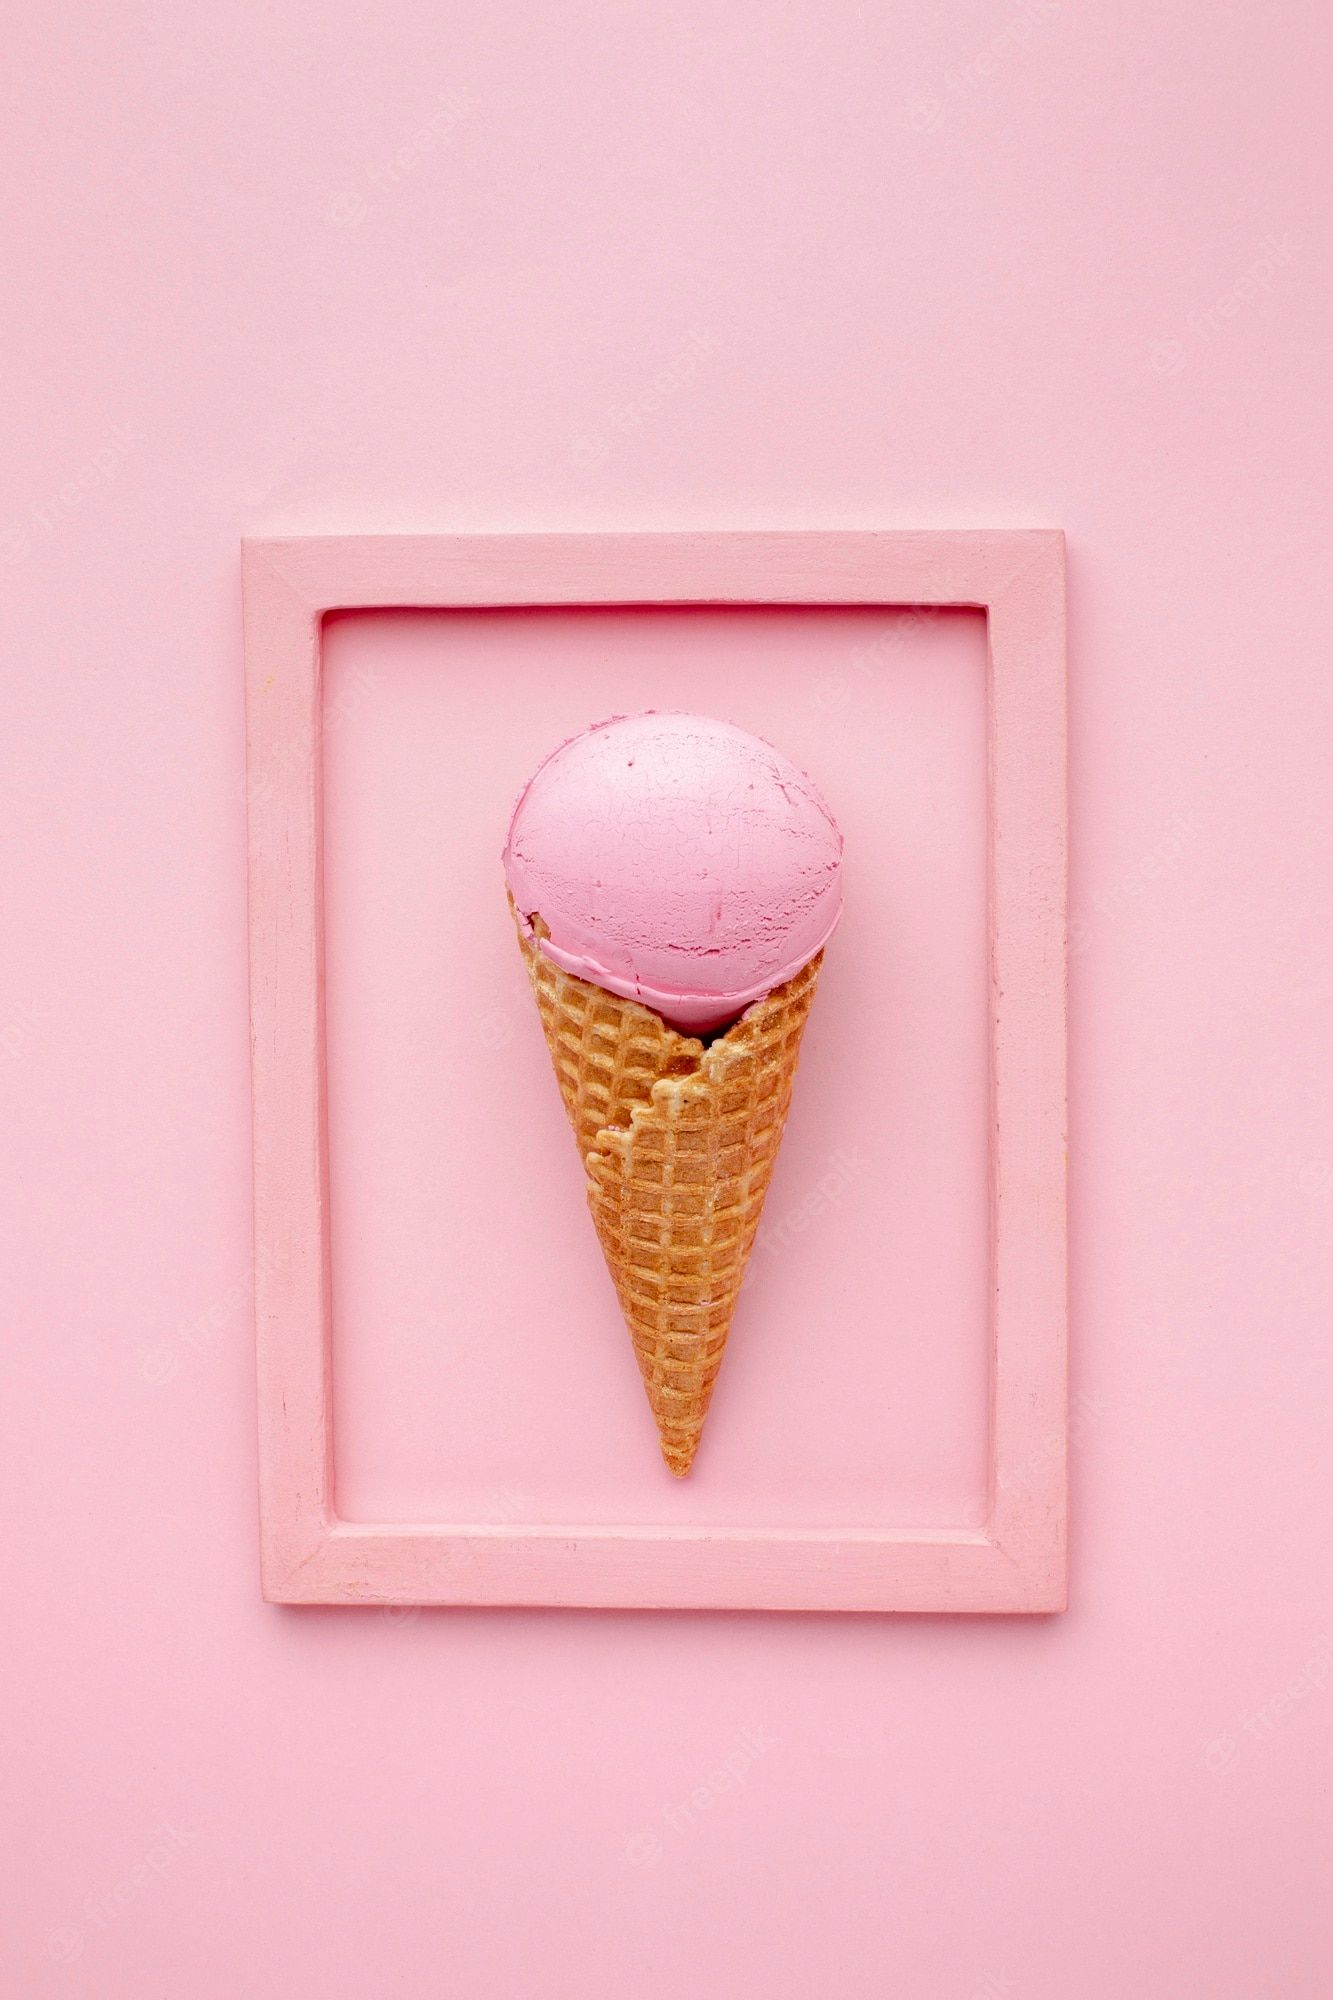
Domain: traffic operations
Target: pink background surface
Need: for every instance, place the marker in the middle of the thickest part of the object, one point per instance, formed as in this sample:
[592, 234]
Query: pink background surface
[481, 1364]
[300, 269]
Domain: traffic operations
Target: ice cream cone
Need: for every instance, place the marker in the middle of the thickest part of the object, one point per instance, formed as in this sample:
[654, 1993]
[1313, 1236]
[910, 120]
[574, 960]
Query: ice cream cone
[678, 1141]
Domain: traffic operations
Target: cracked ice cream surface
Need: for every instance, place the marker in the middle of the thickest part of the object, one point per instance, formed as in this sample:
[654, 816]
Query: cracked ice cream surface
[678, 861]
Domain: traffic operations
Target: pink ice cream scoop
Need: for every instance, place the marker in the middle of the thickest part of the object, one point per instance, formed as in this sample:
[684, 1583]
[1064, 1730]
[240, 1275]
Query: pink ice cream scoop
[677, 861]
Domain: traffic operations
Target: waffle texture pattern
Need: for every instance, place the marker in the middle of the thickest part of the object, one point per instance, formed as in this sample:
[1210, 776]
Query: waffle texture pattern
[678, 1141]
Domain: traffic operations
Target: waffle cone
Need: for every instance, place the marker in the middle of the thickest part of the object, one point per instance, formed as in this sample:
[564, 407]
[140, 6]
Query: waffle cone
[678, 1141]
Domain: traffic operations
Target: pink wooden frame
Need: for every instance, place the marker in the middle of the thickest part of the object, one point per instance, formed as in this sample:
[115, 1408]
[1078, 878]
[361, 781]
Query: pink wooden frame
[1017, 1561]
